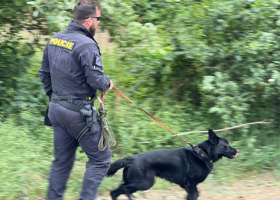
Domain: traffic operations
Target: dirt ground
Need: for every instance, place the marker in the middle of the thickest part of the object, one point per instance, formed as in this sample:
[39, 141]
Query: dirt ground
[257, 188]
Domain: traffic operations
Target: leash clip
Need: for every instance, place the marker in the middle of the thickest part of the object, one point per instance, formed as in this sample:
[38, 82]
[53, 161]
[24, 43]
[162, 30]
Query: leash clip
[100, 101]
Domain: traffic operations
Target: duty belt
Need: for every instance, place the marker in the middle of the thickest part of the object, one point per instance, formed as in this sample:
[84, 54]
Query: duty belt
[62, 100]
[88, 111]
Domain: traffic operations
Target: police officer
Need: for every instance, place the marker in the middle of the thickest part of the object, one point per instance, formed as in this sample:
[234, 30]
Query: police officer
[71, 72]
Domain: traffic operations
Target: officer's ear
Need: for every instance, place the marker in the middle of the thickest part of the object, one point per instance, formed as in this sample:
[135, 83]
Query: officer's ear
[87, 23]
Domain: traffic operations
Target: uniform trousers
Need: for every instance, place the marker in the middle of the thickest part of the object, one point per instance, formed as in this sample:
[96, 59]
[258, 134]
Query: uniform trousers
[67, 124]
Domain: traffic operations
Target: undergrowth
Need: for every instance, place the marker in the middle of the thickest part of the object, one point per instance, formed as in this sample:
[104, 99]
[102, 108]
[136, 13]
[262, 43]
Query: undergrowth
[26, 156]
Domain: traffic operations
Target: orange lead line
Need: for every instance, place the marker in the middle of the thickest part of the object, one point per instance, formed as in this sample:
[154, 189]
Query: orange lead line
[149, 115]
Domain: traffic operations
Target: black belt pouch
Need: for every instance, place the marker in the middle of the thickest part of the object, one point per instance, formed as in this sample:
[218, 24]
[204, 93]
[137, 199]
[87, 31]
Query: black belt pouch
[47, 121]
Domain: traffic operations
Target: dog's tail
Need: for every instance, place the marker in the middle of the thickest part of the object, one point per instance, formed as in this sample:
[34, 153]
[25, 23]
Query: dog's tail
[124, 162]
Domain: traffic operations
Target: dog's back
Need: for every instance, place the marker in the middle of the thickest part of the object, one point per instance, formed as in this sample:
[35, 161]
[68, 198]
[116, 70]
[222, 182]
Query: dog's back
[154, 160]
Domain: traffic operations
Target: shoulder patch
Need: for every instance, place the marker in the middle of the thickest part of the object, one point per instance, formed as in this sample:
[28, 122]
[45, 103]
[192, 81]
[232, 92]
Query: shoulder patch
[97, 61]
[62, 43]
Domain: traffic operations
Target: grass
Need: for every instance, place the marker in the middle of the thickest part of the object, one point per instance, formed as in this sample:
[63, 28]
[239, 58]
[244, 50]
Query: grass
[26, 156]
[23, 163]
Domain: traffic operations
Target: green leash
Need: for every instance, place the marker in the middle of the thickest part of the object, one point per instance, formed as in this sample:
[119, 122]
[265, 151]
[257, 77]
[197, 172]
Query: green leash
[107, 138]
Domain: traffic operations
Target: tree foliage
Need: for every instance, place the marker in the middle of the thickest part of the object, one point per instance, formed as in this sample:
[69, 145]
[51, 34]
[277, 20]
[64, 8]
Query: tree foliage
[194, 64]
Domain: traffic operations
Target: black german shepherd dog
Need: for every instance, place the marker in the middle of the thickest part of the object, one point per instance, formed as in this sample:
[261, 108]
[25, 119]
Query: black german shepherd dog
[185, 166]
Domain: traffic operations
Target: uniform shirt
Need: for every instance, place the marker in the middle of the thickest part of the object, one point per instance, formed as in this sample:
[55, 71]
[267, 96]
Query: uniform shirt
[72, 64]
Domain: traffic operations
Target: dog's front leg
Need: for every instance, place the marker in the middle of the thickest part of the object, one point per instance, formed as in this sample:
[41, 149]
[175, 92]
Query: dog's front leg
[191, 189]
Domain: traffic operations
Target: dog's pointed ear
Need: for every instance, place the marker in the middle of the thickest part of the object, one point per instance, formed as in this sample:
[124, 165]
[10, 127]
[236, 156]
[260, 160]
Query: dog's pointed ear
[213, 138]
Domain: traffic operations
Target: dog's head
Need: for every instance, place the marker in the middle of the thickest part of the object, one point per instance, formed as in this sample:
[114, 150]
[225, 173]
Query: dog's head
[220, 147]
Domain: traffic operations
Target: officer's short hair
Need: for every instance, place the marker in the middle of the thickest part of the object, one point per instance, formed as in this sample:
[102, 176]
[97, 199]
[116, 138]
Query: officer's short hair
[85, 9]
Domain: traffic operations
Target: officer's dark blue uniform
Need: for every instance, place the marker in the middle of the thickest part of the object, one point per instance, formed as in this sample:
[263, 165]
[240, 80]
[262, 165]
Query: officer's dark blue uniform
[72, 65]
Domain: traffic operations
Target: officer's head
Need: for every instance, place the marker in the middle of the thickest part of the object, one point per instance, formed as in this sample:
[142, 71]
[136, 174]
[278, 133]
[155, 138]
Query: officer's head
[87, 13]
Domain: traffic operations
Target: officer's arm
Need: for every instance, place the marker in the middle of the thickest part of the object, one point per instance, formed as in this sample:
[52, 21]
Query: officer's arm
[44, 73]
[91, 63]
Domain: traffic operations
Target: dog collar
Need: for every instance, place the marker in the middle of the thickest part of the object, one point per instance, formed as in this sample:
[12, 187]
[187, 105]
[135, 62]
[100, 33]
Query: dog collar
[200, 152]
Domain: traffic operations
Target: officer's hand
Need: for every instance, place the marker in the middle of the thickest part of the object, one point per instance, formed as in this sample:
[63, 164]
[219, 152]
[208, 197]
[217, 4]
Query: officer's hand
[111, 85]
